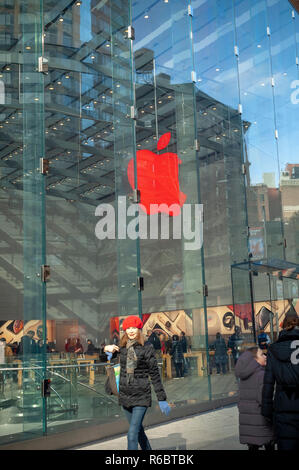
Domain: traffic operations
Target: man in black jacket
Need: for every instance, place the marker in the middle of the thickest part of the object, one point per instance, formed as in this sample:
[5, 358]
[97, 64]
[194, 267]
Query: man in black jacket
[282, 372]
[155, 341]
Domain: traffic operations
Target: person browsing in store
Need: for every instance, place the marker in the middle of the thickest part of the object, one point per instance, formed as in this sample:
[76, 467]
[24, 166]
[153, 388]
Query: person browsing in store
[137, 364]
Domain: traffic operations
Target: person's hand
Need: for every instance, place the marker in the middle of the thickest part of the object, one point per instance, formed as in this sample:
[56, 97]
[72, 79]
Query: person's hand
[111, 348]
[164, 407]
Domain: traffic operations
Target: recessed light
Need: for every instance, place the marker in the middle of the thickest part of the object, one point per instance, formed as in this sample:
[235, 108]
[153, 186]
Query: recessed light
[217, 70]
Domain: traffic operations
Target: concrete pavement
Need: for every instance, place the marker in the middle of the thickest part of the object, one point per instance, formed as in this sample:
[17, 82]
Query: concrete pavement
[213, 430]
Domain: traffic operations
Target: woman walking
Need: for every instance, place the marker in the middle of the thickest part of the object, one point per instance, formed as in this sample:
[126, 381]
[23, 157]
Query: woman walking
[254, 429]
[137, 364]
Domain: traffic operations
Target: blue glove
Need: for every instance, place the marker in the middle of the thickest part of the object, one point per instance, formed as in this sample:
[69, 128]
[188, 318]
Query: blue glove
[109, 355]
[164, 407]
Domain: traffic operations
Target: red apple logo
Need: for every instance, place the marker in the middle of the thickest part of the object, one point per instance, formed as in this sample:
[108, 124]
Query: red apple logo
[158, 179]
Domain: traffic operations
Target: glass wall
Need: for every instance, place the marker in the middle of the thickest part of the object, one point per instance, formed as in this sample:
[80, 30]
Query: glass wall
[107, 107]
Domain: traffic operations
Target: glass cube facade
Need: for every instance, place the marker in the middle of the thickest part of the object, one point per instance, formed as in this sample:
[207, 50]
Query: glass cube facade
[105, 107]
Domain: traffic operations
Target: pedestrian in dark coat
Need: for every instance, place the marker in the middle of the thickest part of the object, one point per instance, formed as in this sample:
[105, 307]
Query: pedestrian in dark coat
[254, 429]
[221, 357]
[137, 364]
[281, 386]
[177, 356]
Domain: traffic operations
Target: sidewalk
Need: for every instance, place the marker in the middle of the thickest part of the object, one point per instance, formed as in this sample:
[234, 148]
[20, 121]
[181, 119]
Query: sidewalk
[214, 430]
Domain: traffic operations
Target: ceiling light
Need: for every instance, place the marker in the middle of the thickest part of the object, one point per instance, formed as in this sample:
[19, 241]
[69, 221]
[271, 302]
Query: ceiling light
[61, 19]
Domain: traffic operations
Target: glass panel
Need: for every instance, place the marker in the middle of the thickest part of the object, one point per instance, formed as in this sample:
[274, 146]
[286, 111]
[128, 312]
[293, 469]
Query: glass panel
[33, 351]
[89, 142]
[220, 134]
[22, 213]
[173, 273]
[257, 99]
[285, 72]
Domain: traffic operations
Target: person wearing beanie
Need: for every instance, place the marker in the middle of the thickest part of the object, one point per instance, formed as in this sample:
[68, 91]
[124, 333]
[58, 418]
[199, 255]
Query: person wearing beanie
[137, 364]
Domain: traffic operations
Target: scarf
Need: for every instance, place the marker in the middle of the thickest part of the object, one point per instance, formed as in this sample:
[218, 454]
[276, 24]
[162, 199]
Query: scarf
[131, 359]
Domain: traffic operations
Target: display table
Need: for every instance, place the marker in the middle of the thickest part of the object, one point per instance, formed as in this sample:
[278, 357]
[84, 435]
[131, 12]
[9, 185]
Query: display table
[89, 360]
[199, 355]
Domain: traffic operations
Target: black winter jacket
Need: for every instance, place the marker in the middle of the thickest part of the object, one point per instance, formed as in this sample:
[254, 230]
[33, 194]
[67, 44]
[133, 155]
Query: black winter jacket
[177, 352]
[283, 373]
[253, 427]
[138, 393]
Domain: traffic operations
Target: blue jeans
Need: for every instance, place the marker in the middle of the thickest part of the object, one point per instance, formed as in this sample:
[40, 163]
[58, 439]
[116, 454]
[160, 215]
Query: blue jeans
[135, 415]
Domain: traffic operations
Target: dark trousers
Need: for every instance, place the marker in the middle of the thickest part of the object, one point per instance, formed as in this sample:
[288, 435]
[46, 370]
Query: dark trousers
[287, 444]
[179, 368]
[221, 365]
[135, 415]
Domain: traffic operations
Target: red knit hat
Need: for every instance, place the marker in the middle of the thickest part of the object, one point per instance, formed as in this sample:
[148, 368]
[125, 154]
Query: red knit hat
[132, 321]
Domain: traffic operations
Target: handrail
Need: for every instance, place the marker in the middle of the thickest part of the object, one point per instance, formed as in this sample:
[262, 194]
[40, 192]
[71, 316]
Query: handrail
[49, 366]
